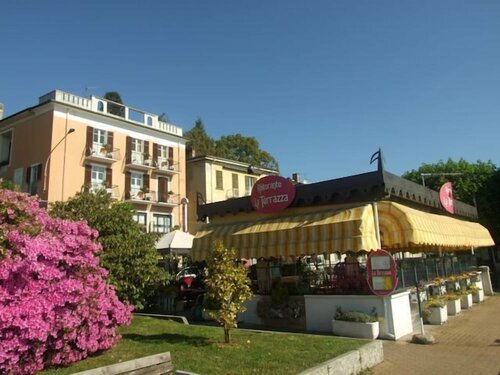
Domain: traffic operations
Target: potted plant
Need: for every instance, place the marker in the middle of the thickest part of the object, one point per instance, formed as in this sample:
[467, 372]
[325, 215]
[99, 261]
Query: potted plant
[453, 303]
[466, 299]
[436, 311]
[355, 324]
[147, 160]
[477, 294]
[107, 150]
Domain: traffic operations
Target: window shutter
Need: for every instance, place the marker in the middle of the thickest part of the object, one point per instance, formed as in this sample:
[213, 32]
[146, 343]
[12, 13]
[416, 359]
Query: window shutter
[109, 177]
[162, 189]
[171, 155]
[110, 139]
[127, 184]
[145, 181]
[155, 153]
[88, 174]
[128, 153]
[90, 140]
[39, 172]
[28, 175]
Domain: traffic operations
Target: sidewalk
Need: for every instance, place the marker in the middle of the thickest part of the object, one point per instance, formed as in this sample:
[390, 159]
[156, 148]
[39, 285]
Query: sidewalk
[467, 344]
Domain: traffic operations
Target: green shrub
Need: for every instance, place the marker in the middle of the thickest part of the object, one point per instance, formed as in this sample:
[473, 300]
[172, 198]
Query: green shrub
[355, 316]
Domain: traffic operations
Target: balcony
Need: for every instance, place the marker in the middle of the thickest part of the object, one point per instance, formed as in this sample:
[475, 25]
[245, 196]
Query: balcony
[166, 166]
[112, 109]
[95, 187]
[151, 197]
[102, 154]
[140, 161]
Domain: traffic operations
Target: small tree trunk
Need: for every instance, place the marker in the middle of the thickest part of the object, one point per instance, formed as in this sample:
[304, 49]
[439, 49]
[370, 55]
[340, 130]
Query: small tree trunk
[227, 338]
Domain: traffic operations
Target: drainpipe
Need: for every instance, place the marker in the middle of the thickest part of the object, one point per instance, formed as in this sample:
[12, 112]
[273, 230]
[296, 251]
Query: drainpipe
[389, 333]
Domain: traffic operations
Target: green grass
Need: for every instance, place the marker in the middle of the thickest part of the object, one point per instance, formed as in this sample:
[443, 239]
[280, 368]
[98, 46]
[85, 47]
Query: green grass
[200, 349]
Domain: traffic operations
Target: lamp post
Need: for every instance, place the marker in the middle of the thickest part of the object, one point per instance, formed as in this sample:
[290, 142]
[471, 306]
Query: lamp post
[70, 130]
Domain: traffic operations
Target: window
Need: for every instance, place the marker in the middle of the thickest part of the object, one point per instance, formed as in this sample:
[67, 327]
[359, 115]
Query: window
[249, 183]
[98, 178]
[218, 180]
[98, 140]
[163, 156]
[33, 176]
[18, 177]
[5, 145]
[150, 121]
[161, 223]
[137, 151]
[141, 219]
[100, 106]
[235, 191]
[136, 181]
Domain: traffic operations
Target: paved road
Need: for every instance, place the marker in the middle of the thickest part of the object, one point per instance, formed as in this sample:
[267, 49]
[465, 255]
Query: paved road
[466, 344]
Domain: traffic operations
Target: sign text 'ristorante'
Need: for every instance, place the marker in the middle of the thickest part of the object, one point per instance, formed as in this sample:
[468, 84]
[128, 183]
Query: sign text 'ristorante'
[272, 194]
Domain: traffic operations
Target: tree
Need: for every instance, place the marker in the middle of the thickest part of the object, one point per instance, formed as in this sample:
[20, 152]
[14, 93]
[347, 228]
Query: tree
[244, 149]
[55, 305]
[227, 286]
[115, 109]
[128, 254]
[199, 141]
[468, 181]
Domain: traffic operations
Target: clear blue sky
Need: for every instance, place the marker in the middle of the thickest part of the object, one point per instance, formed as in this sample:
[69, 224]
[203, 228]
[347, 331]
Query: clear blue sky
[321, 84]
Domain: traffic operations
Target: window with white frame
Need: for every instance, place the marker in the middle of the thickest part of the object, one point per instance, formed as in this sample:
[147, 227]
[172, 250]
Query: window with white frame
[98, 178]
[163, 156]
[136, 181]
[161, 223]
[141, 219]
[137, 151]
[99, 140]
[218, 180]
[249, 183]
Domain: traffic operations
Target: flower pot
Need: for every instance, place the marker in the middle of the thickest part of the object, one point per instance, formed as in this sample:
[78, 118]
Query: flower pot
[453, 307]
[437, 315]
[355, 329]
[466, 301]
[478, 296]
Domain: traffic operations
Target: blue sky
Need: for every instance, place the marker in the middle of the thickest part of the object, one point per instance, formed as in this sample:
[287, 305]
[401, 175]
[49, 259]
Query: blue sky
[321, 84]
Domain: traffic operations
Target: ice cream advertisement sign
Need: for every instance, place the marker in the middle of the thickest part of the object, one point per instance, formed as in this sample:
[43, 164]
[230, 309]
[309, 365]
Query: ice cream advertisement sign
[272, 194]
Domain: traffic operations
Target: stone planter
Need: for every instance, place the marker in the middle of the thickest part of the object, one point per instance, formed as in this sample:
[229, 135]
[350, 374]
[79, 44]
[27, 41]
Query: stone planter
[466, 301]
[478, 296]
[437, 315]
[355, 329]
[453, 307]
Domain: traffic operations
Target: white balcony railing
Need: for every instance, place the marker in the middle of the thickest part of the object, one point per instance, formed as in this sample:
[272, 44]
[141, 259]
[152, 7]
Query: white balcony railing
[112, 109]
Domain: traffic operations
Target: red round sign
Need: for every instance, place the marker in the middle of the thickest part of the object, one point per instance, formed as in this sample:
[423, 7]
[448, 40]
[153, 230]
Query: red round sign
[382, 272]
[446, 197]
[272, 194]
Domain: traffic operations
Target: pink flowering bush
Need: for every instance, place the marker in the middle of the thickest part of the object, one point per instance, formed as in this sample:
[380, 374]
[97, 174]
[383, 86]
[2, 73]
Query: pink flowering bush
[55, 305]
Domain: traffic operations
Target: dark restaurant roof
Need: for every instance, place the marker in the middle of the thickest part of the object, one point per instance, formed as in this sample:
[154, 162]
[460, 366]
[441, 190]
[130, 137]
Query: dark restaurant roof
[360, 188]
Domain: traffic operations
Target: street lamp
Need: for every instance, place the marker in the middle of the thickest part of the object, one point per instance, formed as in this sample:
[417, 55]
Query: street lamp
[70, 130]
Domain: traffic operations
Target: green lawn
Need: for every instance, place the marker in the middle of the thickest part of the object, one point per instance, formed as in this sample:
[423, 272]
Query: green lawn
[200, 349]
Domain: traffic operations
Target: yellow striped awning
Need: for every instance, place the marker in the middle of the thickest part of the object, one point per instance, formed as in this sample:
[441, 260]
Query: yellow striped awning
[313, 232]
[409, 229]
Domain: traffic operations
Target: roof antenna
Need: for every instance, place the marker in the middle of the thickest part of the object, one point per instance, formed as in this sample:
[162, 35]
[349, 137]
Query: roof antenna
[380, 157]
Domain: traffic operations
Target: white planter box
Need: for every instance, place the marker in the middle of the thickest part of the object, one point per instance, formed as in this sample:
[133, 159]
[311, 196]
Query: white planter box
[466, 301]
[453, 307]
[355, 329]
[438, 315]
[478, 296]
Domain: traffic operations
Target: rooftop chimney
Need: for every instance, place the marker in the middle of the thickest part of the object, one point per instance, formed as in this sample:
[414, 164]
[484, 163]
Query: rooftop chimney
[1, 111]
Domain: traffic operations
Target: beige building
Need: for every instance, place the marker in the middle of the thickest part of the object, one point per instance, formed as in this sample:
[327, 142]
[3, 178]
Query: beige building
[68, 143]
[213, 179]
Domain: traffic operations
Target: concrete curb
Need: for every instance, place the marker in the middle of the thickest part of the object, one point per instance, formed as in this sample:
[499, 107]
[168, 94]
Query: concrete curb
[352, 362]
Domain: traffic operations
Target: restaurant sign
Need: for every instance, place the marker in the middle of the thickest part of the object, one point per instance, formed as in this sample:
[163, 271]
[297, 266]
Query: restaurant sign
[382, 272]
[272, 194]
[446, 197]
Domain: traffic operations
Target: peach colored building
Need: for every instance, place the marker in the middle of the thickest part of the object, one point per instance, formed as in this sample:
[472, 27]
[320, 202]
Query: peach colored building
[68, 143]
